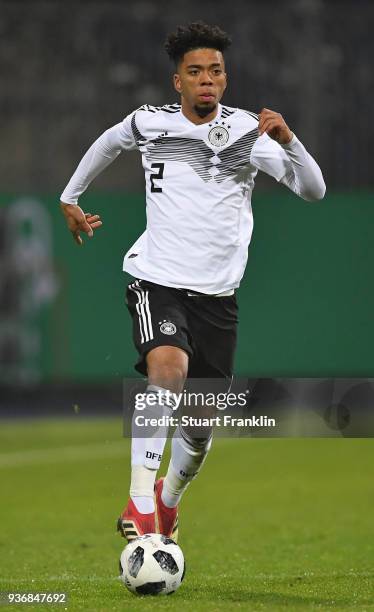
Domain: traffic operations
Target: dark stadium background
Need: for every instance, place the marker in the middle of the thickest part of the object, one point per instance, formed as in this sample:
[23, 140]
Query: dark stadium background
[71, 70]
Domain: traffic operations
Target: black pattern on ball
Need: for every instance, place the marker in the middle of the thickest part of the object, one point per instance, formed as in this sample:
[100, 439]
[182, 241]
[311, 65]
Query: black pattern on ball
[151, 588]
[166, 540]
[166, 561]
[136, 560]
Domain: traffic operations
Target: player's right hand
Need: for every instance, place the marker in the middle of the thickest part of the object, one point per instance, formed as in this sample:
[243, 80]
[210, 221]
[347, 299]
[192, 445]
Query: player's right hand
[78, 221]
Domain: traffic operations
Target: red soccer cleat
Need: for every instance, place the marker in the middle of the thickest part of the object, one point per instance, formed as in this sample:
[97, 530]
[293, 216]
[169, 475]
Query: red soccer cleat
[166, 518]
[132, 523]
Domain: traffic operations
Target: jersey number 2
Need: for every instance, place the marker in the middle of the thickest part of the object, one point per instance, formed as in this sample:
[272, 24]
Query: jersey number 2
[157, 175]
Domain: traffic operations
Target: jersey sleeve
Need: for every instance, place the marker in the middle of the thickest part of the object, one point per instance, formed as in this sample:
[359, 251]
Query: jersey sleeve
[268, 156]
[101, 153]
[290, 164]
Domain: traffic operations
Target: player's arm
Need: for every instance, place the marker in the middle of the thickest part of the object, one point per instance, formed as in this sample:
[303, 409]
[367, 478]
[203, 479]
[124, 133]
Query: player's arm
[102, 153]
[280, 153]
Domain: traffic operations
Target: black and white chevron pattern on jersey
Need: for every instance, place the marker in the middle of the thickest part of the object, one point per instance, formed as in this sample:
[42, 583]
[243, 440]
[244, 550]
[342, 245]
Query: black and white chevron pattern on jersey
[139, 138]
[207, 164]
[189, 150]
[166, 108]
[254, 115]
[226, 112]
[236, 156]
[201, 157]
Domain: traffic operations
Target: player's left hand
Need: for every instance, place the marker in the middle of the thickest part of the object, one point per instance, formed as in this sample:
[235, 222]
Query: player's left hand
[274, 125]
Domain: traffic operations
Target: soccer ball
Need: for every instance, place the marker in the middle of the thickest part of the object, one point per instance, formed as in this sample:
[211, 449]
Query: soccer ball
[152, 565]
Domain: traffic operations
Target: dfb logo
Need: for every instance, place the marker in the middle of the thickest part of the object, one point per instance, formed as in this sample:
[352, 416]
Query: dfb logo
[150, 455]
[186, 475]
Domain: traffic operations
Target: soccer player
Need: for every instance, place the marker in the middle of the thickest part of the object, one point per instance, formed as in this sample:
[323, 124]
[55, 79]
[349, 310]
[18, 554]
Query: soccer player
[200, 160]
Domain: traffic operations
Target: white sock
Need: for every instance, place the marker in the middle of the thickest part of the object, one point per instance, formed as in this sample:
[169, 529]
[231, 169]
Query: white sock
[187, 458]
[141, 488]
[143, 504]
[173, 488]
[146, 452]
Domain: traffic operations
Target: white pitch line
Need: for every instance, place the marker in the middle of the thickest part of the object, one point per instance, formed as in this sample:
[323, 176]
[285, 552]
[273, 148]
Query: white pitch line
[64, 454]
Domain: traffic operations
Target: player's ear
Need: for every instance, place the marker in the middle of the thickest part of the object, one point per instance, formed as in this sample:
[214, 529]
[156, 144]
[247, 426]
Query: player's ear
[177, 83]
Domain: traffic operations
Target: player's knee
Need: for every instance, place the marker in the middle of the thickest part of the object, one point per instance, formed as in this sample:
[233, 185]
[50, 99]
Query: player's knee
[167, 367]
[168, 375]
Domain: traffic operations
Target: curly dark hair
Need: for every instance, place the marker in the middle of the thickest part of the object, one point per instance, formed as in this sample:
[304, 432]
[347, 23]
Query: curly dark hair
[196, 35]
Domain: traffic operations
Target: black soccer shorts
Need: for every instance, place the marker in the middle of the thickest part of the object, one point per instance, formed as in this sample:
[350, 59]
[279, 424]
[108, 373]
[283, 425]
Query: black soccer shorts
[203, 326]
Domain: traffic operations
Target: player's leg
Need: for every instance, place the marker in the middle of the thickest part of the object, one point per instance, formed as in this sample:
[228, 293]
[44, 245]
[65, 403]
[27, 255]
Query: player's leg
[187, 457]
[189, 449]
[213, 322]
[167, 370]
[166, 367]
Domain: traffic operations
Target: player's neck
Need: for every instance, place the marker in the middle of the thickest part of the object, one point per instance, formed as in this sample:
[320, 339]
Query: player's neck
[191, 114]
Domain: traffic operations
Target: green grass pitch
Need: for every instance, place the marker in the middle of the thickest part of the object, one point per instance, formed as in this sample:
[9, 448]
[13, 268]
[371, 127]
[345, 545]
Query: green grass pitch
[281, 524]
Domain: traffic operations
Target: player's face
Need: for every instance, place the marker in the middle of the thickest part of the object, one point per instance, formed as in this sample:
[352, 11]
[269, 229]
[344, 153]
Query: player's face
[201, 80]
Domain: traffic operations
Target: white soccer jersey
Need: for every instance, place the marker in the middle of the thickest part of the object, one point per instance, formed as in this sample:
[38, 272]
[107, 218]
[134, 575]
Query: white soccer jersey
[199, 180]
